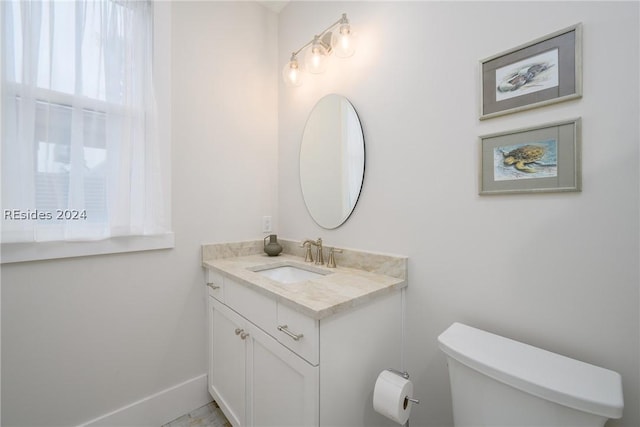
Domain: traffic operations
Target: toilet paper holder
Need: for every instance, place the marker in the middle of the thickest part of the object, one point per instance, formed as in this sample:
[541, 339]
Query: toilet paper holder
[405, 375]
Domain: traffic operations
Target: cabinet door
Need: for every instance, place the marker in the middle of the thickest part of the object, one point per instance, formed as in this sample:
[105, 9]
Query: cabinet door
[227, 359]
[285, 388]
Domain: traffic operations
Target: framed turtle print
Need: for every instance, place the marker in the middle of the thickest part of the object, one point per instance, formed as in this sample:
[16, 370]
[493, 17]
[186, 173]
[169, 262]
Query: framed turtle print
[544, 71]
[538, 159]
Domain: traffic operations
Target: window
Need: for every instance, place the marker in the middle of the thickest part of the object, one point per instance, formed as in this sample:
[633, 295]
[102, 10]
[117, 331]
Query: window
[82, 158]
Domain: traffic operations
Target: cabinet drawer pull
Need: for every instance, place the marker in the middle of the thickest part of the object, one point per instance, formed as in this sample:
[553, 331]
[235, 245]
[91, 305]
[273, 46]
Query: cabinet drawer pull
[244, 335]
[283, 328]
[213, 285]
[238, 331]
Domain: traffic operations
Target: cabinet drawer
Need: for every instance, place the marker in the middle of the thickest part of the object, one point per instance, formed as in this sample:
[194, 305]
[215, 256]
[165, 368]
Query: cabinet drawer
[258, 308]
[215, 285]
[298, 332]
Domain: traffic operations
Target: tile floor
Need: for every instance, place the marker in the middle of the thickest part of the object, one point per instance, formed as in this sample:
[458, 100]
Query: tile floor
[209, 415]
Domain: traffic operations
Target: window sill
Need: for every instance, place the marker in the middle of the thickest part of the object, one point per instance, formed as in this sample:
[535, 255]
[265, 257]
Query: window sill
[21, 252]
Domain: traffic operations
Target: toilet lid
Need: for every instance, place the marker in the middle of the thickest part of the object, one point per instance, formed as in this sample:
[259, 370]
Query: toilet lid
[539, 372]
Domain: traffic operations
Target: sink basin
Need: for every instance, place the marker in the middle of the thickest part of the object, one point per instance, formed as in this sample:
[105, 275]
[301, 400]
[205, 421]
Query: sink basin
[289, 273]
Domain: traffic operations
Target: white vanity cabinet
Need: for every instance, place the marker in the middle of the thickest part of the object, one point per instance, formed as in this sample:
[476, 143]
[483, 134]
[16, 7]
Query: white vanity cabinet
[273, 365]
[254, 378]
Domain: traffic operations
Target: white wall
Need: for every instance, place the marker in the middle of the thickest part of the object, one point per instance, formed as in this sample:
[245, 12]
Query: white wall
[82, 337]
[559, 271]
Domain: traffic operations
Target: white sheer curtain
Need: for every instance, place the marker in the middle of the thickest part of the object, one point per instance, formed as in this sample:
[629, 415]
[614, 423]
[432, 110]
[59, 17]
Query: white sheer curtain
[80, 159]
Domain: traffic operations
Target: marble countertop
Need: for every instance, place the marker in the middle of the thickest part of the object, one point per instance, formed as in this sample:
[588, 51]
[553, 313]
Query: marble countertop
[343, 288]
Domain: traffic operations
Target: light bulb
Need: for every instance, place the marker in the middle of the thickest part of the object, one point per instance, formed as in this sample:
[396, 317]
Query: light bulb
[316, 57]
[343, 41]
[291, 73]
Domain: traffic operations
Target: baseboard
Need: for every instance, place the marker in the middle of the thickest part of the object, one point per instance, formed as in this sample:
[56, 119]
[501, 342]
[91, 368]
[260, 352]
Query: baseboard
[159, 408]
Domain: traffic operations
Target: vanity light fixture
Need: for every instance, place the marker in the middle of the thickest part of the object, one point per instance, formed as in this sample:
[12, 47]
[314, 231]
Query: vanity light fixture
[342, 42]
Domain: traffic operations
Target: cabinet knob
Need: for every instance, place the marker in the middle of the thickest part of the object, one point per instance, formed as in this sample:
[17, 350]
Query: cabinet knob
[242, 333]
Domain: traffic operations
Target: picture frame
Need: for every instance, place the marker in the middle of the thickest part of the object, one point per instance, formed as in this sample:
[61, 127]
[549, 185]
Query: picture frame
[545, 158]
[542, 72]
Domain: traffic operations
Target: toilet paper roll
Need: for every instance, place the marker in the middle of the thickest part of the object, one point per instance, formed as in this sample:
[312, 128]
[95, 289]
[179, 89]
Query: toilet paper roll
[391, 396]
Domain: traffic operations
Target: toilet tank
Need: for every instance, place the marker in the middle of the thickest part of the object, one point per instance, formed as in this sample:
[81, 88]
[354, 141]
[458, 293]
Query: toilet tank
[496, 381]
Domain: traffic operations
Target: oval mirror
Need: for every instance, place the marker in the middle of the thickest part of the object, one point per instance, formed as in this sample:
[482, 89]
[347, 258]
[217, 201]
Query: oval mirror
[332, 161]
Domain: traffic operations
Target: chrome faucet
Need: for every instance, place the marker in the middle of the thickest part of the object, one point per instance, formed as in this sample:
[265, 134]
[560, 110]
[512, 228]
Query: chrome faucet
[308, 256]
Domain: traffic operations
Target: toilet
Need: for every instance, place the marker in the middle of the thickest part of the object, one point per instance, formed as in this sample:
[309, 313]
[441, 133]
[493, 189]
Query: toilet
[496, 381]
